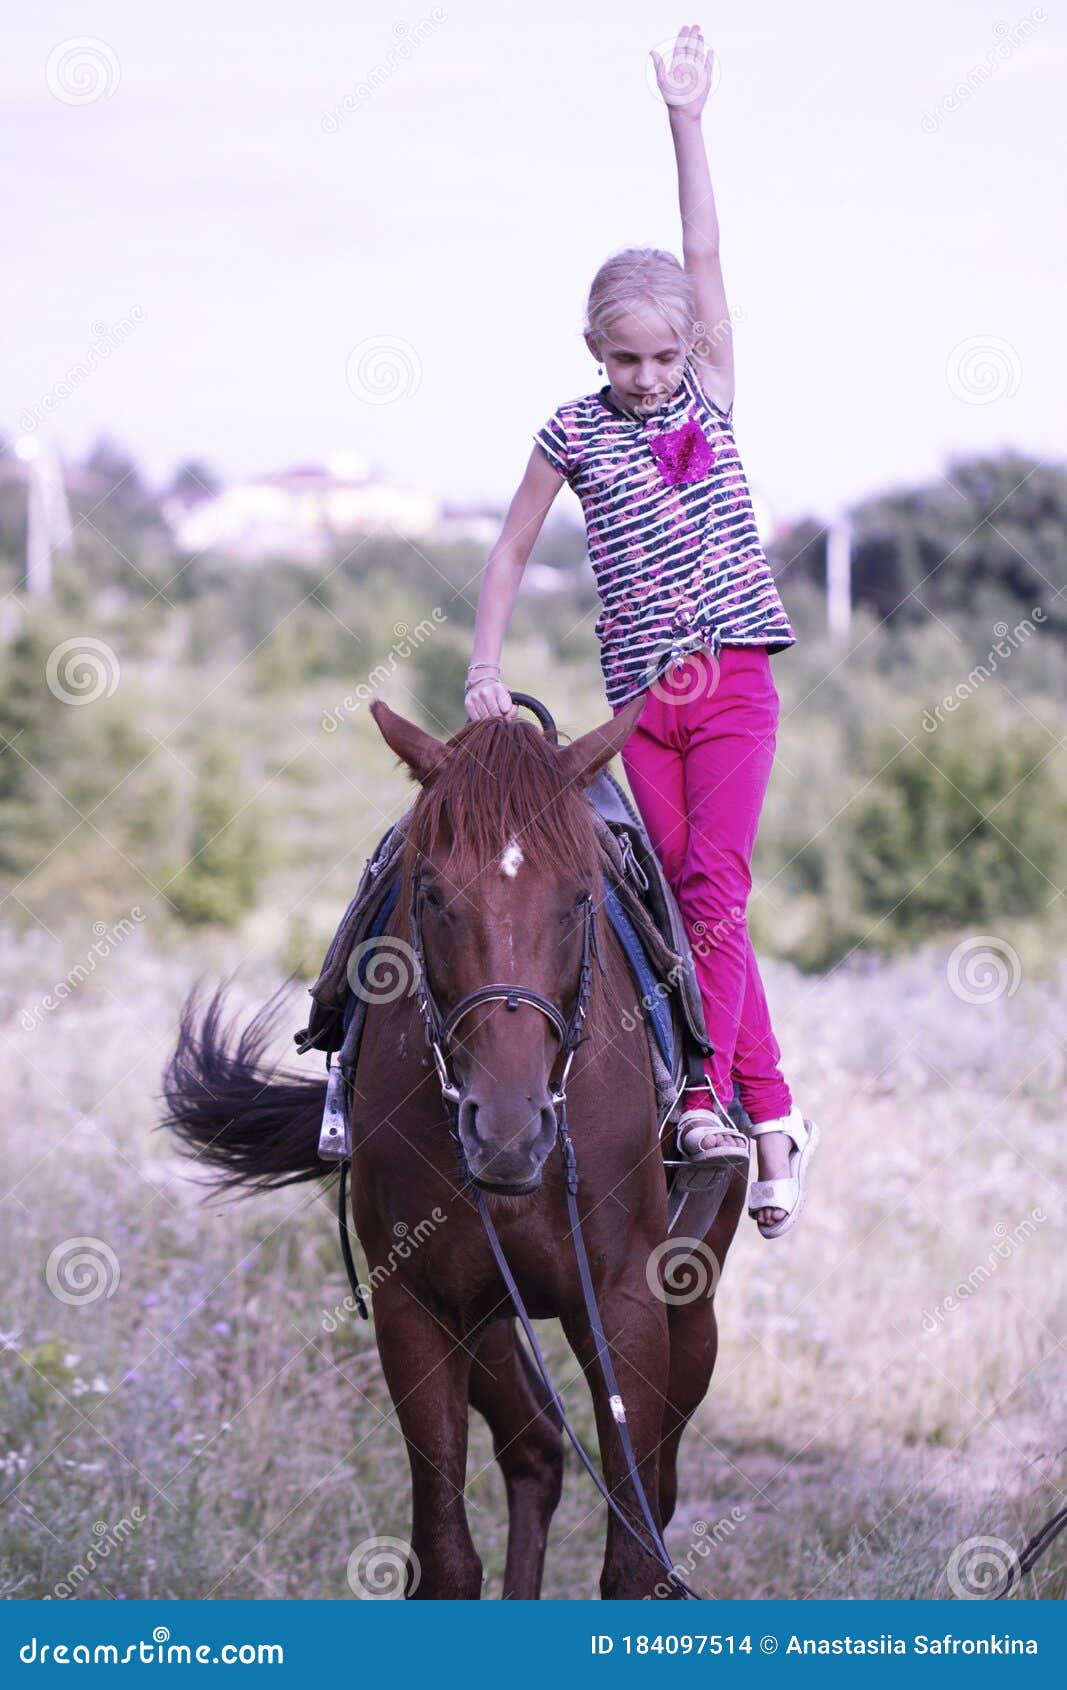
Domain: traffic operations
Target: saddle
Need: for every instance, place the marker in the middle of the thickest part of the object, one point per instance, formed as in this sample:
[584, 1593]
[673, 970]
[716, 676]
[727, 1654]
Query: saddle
[637, 901]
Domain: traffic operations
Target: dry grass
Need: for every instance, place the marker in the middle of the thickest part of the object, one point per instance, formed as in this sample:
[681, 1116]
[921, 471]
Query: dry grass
[859, 1445]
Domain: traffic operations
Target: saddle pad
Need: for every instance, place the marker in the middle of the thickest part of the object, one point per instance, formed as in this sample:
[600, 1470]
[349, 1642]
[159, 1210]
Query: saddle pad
[376, 927]
[653, 999]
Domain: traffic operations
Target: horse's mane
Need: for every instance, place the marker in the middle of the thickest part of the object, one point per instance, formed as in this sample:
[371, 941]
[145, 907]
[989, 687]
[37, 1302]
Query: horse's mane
[501, 780]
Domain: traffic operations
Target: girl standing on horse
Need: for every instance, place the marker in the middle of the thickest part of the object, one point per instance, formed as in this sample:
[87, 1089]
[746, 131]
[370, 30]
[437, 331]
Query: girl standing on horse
[690, 615]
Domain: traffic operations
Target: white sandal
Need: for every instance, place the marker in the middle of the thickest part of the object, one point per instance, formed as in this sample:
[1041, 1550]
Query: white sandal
[691, 1127]
[787, 1194]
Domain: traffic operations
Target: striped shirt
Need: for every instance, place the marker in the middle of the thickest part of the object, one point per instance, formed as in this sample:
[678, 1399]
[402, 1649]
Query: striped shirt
[671, 532]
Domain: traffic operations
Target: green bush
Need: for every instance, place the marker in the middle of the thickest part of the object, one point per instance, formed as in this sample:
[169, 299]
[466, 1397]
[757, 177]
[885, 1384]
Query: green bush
[963, 826]
[437, 675]
[220, 878]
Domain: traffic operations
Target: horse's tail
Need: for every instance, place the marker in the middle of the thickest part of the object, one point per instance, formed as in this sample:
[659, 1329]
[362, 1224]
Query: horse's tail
[245, 1122]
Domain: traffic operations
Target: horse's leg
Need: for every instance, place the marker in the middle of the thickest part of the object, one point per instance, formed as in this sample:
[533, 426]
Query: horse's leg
[694, 1345]
[427, 1371]
[636, 1330]
[694, 1339]
[527, 1444]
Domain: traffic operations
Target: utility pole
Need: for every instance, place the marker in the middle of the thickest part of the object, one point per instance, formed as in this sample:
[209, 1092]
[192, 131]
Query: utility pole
[47, 514]
[839, 577]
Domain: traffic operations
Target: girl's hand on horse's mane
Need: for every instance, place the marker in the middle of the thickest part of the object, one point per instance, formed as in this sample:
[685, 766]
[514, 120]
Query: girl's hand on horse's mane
[685, 82]
[489, 698]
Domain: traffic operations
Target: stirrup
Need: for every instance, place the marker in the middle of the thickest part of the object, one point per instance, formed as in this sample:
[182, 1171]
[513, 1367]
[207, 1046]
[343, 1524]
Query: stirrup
[700, 1181]
[335, 1138]
[690, 1128]
[787, 1193]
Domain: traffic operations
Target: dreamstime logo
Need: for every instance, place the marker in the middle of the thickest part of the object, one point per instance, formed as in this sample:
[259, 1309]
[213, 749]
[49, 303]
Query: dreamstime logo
[682, 1270]
[107, 939]
[82, 1270]
[983, 369]
[689, 676]
[1008, 640]
[106, 1539]
[704, 338]
[1008, 38]
[382, 969]
[160, 1650]
[408, 37]
[382, 369]
[981, 1567]
[704, 938]
[705, 1538]
[406, 1240]
[82, 70]
[378, 1569]
[677, 80]
[631, 1018]
[82, 670]
[107, 337]
[984, 968]
[408, 640]
[1008, 1240]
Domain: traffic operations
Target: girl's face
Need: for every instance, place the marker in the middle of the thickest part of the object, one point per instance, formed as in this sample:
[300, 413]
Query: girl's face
[643, 357]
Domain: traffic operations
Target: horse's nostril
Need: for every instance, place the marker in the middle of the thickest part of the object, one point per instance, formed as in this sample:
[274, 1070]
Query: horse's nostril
[468, 1120]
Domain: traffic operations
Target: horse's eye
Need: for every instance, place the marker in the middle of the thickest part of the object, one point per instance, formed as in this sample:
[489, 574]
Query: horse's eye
[576, 907]
[434, 899]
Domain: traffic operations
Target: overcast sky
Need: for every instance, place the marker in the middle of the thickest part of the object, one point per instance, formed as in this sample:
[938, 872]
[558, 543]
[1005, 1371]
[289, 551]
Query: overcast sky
[219, 194]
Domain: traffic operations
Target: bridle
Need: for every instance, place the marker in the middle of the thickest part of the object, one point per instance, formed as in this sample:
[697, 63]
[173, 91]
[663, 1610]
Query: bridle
[439, 1027]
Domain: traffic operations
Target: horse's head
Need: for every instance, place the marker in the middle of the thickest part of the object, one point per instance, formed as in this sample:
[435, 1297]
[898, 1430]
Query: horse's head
[503, 842]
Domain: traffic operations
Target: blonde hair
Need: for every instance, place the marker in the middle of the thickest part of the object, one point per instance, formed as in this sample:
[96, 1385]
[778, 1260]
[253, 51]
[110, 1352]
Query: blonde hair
[641, 275]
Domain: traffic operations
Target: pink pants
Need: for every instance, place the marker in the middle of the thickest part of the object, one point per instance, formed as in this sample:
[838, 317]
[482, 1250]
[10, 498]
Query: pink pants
[698, 763]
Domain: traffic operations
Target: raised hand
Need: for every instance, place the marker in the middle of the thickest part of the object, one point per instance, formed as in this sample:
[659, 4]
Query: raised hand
[686, 81]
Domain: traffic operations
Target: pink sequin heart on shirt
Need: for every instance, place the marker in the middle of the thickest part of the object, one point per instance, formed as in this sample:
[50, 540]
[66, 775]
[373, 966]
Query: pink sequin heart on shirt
[682, 454]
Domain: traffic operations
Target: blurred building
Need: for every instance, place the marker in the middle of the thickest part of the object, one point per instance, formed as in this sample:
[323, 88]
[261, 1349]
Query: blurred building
[306, 512]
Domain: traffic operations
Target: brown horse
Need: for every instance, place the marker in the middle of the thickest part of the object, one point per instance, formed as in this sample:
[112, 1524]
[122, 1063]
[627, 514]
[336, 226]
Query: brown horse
[502, 836]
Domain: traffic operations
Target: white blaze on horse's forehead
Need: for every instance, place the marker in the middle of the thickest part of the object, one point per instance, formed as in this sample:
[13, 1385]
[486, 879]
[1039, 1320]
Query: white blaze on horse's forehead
[509, 862]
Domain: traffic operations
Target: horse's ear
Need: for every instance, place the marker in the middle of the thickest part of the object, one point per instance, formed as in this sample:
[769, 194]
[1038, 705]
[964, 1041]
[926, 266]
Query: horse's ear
[583, 757]
[413, 745]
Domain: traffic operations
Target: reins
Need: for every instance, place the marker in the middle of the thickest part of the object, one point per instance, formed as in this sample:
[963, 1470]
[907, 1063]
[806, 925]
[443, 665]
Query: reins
[1040, 1542]
[618, 1411]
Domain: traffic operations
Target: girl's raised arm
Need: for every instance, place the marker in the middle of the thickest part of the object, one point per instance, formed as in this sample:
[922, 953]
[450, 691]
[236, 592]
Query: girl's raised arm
[684, 84]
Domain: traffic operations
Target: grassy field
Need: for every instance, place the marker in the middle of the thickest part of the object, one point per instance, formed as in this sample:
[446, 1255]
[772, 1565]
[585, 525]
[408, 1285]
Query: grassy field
[890, 1374]
[889, 1380]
